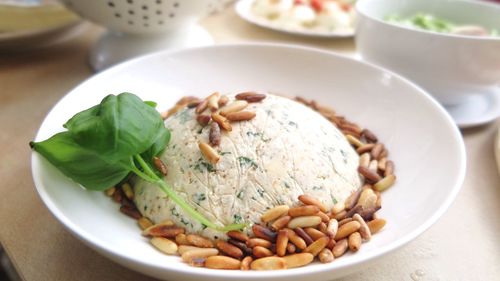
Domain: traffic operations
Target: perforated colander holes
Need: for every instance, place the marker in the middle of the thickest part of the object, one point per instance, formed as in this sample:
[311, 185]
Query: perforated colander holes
[143, 13]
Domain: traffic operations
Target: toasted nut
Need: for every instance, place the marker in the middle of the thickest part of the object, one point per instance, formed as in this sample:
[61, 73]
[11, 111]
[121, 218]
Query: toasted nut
[209, 153]
[322, 227]
[301, 232]
[341, 215]
[144, 223]
[332, 228]
[354, 241]
[238, 235]
[356, 210]
[384, 153]
[378, 203]
[213, 101]
[268, 263]
[163, 230]
[193, 104]
[235, 106]
[385, 183]
[314, 233]
[354, 141]
[229, 249]
[339, 207]
[197, 262]
[296, 239]
[222, 121]
[186, 248]
[365, 148]
[389, 168]
[131, 212]
[165, 114]
[250, 96]
[214, 134]
[368, 214]
[110, 191]
[274, 213]
[201, 106]
[367, 199]
[199, 253]
[382, 163]
[331, 243]
[369, 136]
[373, 166]
[364, 160]
[317, 246]
[172, 111]
[181, 239]
[241, 245]
[280, 223]
[264, 232]
[326, 256]
[364, 230]
[302, 100]
[340, 248]
[376, 225]
[223, 100]
[324, 217]
[309, 200]
[245, 263]
[199, 241]
[254, 242]
[281, 242]
[260, 252]
[127, 189]
[160, 166]
[347, 229]
[307, 210]
[348, 128]
[344, 221]
[351, 201]
[368, 174]
[298, 260]
[187, 99]
[165, 245]
[203, 120]
[377, 150]
[290, 248]
[222, 262]
[240, 116]
[305, 221]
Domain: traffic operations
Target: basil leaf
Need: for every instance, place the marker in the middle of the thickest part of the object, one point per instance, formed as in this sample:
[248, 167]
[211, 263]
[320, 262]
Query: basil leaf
[151, 103]
[158, 146]
[81, 165]
[120, 126]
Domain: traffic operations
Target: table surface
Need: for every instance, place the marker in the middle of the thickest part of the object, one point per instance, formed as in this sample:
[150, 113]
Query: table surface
[463, 245]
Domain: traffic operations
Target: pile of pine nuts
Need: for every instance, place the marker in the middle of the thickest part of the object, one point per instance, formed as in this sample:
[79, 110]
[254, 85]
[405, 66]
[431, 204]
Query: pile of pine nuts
[286, 237]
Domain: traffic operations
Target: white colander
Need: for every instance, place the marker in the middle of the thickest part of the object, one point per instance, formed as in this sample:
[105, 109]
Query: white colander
[140, 26]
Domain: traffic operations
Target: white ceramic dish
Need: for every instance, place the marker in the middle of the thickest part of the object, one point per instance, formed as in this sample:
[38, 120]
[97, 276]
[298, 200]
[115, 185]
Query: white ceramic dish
[423, 141]
[244, 10]
[462, 72]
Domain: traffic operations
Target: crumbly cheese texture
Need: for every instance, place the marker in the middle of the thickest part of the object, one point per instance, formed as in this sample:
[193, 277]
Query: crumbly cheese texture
[285, 151]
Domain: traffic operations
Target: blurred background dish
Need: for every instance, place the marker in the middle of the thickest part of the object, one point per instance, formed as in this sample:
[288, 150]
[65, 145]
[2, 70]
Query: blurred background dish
[460, 70]
[32, 24]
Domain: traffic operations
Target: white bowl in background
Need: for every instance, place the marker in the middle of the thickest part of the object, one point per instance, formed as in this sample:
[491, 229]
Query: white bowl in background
[452, 68]
[425, 145]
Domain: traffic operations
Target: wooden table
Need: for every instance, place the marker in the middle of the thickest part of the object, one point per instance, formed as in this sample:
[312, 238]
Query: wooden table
[463, 245]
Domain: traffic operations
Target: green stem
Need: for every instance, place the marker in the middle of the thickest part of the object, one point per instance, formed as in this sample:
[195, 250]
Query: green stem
[150, 176]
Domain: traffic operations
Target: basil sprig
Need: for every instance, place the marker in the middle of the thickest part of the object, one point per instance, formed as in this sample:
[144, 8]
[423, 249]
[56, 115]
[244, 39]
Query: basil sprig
[107, 142]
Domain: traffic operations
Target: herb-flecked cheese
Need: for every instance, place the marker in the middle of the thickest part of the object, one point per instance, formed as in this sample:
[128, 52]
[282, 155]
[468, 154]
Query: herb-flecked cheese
[285, 151]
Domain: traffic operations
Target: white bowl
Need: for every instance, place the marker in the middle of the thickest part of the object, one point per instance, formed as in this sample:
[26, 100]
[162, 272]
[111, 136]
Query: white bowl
[425, 145]
[450, 67]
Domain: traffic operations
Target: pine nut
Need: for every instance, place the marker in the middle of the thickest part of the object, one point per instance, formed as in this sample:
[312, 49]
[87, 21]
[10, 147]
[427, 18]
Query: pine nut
[238, 235]
[382, 163]
[351, 201]
[222, 121]
[295, 239]
[368, 174]
[332, 228]
[354, 241]
[160, 166]
[144, 223]
[203, 120]
[264, 232]
[389, 168]
[354, 141]
[322, 227]
[290, 248]
[324, 217]
[385, 183]
[181, 239]
[240, 245]
[201, 106]
[131, 212]
[344, 221]
[281, 243]
[186, 248]
[298, 260]
[198, 241]
[300, 232]
[280, 223]
[340, 248]
[369, 136]
[373, 166]
[222, 262]
[314, 233]
[197, 262]
[127, 189]
[223, 100]
[164, 245]
[235, 106]
[245, 263]
[305, 221]
[214, 134]
[317, 246]
[364, 230]
[367, 199]
[347, 229]
[261, 252]
[250, 96]
[199, 253]
[331, 244]
[365, 148]
[240, 116]
[307, 210]
[364, 159]
[268, 263]
[376, 225]
[274, 213]
[213, 101]
[254, 242]
[229, 249]
[110, 191]
[326, 256]
[341, 215]
[309, 200]
[337, 208]
[209, 153]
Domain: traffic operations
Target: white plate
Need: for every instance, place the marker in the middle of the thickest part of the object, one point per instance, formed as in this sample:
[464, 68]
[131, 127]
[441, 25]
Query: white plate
[244, 10]
[476, 110]
[423, 141]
